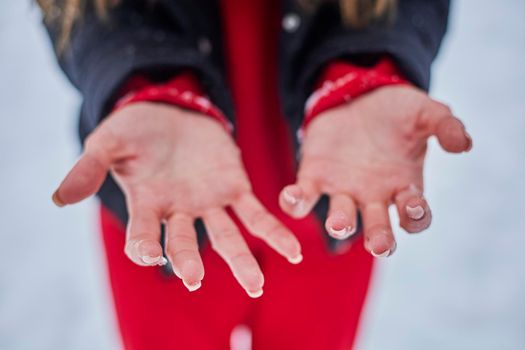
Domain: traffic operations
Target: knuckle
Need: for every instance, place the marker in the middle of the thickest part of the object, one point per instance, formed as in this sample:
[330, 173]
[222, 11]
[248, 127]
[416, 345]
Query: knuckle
[175, 253]
[224, 239]
[102, 140]
[257, 217]
[444, 109]
[245, 257]
[276, 232]
[181, 240]
[379, 229]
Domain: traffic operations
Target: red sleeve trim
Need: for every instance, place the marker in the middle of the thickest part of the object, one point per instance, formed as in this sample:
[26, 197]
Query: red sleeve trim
[341, 82]
[183, 91]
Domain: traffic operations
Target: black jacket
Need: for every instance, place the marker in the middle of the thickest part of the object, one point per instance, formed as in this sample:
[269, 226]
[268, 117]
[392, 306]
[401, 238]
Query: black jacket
[161, 39]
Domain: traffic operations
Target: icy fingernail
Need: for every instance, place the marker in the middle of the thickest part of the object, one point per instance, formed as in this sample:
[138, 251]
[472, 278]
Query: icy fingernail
[415, 213]
[382, 255]
[157, 260]
[255, 294]
[192, 287]
[296, 260]
[289, 198]
[342, 233]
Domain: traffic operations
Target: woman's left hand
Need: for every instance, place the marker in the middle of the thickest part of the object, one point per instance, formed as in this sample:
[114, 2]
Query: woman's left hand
[368, 154]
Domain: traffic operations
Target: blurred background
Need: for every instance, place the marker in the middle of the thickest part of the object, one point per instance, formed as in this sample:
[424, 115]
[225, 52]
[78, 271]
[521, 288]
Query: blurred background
[461, 285]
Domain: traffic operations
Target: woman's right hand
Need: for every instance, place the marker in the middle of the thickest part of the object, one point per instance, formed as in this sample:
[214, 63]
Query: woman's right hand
[174, 166]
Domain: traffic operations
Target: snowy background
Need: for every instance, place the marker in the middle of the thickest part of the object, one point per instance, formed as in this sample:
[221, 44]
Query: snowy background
[459, 286]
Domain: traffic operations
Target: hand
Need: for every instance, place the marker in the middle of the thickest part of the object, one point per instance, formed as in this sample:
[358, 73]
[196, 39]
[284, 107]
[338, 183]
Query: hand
[175, 166]
[368, 154]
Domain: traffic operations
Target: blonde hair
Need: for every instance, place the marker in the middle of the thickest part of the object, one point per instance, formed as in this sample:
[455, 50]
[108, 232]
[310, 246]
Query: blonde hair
[355, 13]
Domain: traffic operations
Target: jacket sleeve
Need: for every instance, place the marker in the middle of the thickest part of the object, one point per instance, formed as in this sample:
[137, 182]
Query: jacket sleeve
[412, 39]
[137, 38]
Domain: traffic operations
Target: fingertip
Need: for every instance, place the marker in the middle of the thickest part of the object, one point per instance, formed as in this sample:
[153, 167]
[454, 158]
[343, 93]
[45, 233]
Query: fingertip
[154, 260]
[296, 260]
[338, 226]
[253, 285]
[385, 253]
[292, 194]
[381, 244]
[145, 253]
[415, 215]
[415, 212]
[452, 136]
[290, 248]
[192, 286]
[83, 180]
[291, 201]
[417, 226]
[192, 273]
[57, 200]
[255, 294]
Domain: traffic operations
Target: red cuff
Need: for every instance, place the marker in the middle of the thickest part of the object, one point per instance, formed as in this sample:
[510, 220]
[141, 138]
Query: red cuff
[183, 91]
[341, 82]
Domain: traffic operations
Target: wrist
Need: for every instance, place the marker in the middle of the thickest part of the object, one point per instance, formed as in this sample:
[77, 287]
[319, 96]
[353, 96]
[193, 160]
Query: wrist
[183, 91]
[342, 82]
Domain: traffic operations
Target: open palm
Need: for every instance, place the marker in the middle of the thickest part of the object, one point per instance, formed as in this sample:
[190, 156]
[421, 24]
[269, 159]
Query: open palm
[175, 166]
[368, 154]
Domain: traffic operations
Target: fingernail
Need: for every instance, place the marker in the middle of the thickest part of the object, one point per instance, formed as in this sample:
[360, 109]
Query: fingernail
[157, 260]
[192, 287]
[382, 255]
[255, 294]
[289, 198]
[342, 233]
[296, 260]
[415, 213]
[56, 199]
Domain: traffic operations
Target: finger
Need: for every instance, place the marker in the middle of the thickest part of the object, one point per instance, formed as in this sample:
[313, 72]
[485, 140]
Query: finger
[297, 200]
[88, 174]
[143, 237]
[183, 251]
[438, 119]
[414, 212]
[265, 226]
[341, 222]
[227, 241]
[379, 239]
[82, 181]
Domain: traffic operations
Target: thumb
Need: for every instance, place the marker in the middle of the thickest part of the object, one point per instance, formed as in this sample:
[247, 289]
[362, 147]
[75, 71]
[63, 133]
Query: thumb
[88, 174]
[438, 120]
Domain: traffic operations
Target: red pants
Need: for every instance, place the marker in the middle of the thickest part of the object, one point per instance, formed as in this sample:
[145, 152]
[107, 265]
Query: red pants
[314, 305]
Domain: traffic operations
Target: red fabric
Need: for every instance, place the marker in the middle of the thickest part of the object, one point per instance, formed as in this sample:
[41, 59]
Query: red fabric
[183, 91]
[341, 82]
[315, 305]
